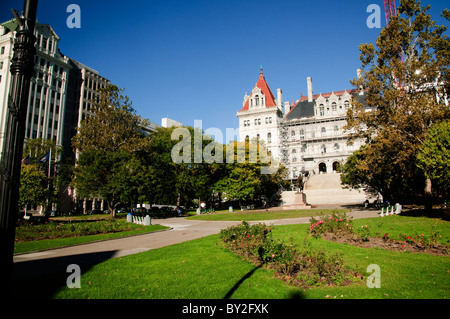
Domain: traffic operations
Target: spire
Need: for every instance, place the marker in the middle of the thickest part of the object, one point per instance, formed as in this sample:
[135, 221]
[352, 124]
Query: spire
[262, 84]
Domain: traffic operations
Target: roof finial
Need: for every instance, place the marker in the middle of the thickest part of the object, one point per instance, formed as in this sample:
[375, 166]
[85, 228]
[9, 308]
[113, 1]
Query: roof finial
[261, 70]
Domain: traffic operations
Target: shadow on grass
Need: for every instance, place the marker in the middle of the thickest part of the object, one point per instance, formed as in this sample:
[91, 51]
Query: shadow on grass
[43, 278]
[293, 295]
[236, 286]
[441, 213]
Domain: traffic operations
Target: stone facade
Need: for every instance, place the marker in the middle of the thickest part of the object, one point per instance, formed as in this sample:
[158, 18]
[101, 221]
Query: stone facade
[309, 136]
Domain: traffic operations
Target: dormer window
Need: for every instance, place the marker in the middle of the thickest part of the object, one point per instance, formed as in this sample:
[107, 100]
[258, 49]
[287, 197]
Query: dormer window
[347, 105]
[334, 107]
[256, 100]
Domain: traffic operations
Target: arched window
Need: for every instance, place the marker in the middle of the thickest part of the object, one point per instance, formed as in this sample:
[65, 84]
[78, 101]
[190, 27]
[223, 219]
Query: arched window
[256, 100]
[336, 147]
[347, 105]
[269, 137]
[324, 131]
[323, 148]
[334, 107]
[321, 110]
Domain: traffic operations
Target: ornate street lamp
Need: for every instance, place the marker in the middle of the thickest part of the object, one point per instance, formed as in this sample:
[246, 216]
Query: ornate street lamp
[22, 69]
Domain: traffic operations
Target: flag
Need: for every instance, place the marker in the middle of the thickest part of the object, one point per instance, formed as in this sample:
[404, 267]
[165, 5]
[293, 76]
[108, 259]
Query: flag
[26, 160]
[44, 159]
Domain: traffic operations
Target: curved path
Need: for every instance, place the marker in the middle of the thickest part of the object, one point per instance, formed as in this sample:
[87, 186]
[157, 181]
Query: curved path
[181, 230]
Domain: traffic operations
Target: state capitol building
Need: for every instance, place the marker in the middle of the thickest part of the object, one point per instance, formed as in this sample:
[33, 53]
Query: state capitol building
[307, 136]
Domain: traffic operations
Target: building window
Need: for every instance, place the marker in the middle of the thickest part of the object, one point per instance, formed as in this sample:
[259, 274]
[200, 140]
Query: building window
[336, 147]
[293, 133]
[347, 105]
[321, 110]
[324, 131]
[302, 134]
[323, 148]
[2, 50]
[259, 121]
[256, 100]
[334, 108]
[269, 137]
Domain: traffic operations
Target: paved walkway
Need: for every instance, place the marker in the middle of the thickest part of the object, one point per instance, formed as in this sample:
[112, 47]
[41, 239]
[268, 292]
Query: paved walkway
[181, 230]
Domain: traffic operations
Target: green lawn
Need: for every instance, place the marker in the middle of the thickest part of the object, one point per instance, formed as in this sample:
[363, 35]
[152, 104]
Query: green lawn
[62, 234]
[203, 269]
[265, 215]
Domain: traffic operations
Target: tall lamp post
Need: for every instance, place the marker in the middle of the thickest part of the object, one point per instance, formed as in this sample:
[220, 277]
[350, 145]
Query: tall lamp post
[22, 69]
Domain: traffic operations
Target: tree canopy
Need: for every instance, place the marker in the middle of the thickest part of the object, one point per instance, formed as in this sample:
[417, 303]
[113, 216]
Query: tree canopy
[406, 78]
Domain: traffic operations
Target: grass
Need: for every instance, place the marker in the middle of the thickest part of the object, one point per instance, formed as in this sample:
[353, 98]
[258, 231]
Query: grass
[204, 269]
[62, 234]
[265, 215]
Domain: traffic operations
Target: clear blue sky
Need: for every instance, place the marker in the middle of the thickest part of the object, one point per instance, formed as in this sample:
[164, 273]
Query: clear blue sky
[194, 60]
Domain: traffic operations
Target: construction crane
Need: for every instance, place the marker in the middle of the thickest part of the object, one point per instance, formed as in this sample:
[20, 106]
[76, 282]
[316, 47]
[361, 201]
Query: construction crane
[389, 9]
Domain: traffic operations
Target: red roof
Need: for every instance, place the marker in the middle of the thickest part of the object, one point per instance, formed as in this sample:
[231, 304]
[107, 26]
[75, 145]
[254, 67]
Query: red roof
[315, 96]
[262, 84]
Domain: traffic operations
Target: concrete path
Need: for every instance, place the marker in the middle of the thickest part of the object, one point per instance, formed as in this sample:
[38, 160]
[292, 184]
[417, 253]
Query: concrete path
[181, 230]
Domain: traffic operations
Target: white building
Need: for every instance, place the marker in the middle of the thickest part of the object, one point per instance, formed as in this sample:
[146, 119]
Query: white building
[308, 137]
[47, 97]
[260, 116]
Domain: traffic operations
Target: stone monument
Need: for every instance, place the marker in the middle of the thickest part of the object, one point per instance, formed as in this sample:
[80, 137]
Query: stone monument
[298, 198]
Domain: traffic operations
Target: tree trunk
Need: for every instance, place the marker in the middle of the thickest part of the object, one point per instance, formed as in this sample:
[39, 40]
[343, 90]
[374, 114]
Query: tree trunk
[112, 209]
[178, 199]
[428, 195]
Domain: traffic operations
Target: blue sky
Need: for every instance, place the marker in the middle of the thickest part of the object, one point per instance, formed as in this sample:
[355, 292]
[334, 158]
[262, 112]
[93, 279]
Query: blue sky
[195, 60]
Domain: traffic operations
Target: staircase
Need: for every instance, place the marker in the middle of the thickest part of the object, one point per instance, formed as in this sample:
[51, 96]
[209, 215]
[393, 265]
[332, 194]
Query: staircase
[324, 189]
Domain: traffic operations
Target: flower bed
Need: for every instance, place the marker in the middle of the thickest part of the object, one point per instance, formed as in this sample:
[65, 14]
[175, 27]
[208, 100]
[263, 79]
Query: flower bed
[304, 268]
[340, 229]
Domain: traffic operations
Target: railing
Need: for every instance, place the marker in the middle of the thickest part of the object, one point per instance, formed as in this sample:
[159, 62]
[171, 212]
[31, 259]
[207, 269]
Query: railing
[391, 210]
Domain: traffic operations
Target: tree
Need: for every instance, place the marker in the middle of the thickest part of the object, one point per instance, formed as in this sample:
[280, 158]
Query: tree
[242, 178]
[34, 188]
[406, 78]
[113, 127]
[111, 145]
[54, 170]
[433, 157]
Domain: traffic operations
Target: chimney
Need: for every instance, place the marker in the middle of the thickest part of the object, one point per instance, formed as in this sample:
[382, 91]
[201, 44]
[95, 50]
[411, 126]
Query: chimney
[310, 89]
[287, 107]
[280, 99]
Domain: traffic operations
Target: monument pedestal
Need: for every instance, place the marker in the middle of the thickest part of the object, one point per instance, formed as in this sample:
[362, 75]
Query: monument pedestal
[298, 203]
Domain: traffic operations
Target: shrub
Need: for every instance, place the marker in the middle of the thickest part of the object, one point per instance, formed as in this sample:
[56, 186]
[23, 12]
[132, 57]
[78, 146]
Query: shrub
[330, 224]
[306, 267]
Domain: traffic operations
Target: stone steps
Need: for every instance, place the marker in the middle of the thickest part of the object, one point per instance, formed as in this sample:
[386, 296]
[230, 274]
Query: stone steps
[324, 189]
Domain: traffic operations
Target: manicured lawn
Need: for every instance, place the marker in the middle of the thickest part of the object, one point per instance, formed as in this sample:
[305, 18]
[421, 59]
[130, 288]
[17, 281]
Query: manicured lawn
[203, 269]
[265, 215]
[63, 233]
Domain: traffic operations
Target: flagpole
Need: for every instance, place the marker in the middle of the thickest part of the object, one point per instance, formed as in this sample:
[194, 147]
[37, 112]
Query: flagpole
[48, 175]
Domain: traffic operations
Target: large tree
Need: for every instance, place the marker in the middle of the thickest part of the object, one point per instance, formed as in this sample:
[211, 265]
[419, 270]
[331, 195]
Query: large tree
[406, 77]
[433, 157]
[111, 146]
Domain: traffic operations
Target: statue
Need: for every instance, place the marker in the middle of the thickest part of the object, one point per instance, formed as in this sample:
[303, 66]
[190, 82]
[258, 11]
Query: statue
[299, 184]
